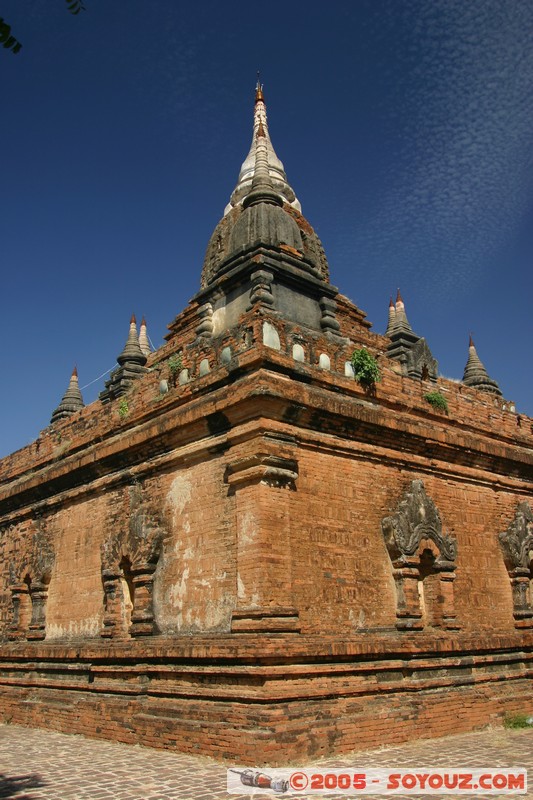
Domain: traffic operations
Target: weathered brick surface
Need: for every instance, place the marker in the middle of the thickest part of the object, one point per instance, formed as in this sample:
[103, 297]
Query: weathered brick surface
[219, 698]
[209, 570]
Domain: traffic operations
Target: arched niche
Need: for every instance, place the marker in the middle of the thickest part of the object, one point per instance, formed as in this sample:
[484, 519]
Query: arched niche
[423, 562]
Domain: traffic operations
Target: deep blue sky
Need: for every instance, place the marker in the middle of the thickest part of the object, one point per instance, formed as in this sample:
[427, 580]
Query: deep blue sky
[405, 127]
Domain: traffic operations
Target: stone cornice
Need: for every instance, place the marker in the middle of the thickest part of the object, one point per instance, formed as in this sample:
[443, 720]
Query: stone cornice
[415, 650]
[318, 407]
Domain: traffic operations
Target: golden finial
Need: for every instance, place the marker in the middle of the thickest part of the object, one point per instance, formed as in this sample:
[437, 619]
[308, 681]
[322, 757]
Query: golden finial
[259, 96]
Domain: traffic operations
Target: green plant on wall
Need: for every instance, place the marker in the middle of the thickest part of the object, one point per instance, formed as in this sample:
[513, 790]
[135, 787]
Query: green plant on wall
[517, 721]
[365, 367]
[437, 400]
[123, 409]
[175, 365]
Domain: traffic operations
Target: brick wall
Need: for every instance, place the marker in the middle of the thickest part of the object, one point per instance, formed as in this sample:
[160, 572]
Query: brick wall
[216, 697]
[246, 502]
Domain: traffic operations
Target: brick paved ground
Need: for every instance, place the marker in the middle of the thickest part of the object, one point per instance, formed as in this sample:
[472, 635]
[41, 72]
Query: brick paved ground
[43, 765]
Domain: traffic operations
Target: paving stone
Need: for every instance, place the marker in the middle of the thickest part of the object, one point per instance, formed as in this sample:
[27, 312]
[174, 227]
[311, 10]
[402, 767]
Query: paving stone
[38, 764]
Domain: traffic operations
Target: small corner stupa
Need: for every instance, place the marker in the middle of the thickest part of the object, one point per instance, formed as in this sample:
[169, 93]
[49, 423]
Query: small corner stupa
[71, 402]
[411, 350]
[131, 365]
[475, 374]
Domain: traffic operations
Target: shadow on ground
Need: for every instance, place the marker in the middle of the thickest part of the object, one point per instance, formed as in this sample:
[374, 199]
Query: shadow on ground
[12, 786]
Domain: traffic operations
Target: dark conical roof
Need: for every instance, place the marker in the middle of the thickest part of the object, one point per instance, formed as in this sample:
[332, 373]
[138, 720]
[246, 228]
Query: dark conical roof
[475, 374]
[132, 353]
[401, 323]
[411, 350]
[263, 211]
[72, 400]
[131, 366]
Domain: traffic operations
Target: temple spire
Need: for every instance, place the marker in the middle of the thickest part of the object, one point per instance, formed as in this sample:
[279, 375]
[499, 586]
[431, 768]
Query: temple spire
[259, 97]
[72, 400]
[407, 347]
[263, 213]
[262, 185]
[131, 365]
[392, 318]
[400, 320]
[274, 166]
[132, 353]
[475, 374]
[144, 342]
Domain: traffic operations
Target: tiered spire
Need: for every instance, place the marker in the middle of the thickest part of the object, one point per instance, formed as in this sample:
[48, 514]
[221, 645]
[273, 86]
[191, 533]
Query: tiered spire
[262, 189]
[72, 400]
[263, 212]
[476, 375]
[144, 342]
[398, 325]
[406, 346]
[263, 219]
[392, 318]
[132, 353]
[131, 361]
[274, 166]
[400, 318]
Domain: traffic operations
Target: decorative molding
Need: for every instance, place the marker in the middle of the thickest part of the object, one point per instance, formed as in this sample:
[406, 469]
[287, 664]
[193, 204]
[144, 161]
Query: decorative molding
[517, 540]
[29, 576]
[416, 519]
[261, 291]
[328, 321]
[277, 619]
[420, 362]
[274, 471]
[205, 326]
[141, 544]
[517, 546]
[415, 523]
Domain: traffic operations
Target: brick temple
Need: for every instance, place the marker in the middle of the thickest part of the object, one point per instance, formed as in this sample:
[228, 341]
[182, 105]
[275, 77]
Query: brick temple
[250, 548]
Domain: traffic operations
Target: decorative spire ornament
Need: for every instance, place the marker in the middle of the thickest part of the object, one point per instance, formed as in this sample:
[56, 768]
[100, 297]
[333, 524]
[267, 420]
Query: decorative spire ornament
[475, 374]
[259, 97]
[411, 350]
[392, 318]
[132, 352]
[262, 190]
[144, 342]
[275, 167]
[72, 400]
[400, 319]
[264, 213]
[131, 366]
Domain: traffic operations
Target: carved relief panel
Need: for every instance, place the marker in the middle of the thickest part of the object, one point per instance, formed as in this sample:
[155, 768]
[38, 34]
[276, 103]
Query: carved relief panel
[129, 560]
[29, 574]
[517, 546]
[423, 560]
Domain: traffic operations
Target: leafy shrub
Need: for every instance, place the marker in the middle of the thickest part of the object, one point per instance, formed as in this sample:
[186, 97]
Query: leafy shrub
[365, 367]
[515, 721]
[437, 400]
[175, 364]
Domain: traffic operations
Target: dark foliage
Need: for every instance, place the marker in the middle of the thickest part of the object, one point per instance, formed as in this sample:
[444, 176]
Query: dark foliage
[8, 41]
